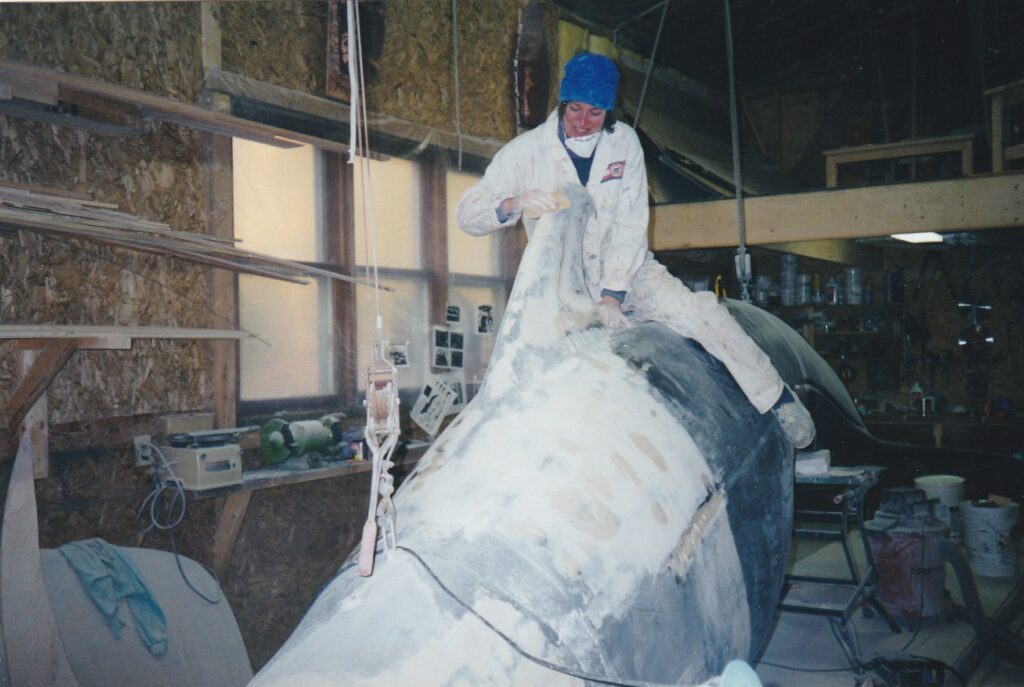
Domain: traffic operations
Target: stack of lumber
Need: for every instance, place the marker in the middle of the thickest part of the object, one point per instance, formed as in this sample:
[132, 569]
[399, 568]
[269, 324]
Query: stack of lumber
[68, 216]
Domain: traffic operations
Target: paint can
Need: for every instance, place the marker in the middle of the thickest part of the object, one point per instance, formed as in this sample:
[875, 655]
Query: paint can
[988, 537]
[904, 541]
[948, 491]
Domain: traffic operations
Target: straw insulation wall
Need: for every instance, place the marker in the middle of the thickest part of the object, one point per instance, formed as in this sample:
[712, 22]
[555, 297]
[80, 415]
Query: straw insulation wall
[157, 176]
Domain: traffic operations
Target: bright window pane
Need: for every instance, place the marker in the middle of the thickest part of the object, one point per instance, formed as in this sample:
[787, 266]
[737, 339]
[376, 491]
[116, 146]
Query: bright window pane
[278, 212]
[292, 319]
[478, 255]
[395, 213]
[403, 313]
[276, 200]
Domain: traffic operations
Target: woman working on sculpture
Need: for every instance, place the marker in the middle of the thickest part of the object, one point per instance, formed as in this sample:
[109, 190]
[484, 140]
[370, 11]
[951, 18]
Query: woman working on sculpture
[582, 143]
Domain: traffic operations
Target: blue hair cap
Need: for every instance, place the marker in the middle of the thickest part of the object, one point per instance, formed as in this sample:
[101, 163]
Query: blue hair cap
[590, 78]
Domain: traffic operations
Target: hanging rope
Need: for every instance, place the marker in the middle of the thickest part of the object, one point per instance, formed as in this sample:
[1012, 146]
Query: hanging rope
[455, 67]
[381, 376]
[742, 257]
[650, 66]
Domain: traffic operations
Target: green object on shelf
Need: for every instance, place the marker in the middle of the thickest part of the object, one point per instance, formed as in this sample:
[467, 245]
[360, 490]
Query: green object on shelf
[279, 439]
[272, 442]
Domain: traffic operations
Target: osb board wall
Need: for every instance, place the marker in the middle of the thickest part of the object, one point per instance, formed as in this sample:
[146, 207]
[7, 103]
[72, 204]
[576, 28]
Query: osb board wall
[157, 176]
[285, 44]
[141, 45]
[281, 43]
[417, 79]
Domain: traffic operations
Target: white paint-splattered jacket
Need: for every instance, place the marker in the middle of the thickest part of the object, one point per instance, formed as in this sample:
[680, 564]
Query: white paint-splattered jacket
[615, 241]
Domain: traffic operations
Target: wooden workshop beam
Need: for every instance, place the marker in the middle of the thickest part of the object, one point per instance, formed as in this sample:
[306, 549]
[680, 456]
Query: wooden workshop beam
[221, 285]
[162, 108]
[75, 331]
[967, 204]
[37, 378]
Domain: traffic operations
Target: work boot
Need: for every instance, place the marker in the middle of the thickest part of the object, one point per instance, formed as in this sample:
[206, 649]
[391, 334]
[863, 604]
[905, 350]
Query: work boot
[795, 420]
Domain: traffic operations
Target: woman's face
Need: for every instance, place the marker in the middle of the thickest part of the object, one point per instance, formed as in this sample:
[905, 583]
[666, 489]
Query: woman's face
[582, 119]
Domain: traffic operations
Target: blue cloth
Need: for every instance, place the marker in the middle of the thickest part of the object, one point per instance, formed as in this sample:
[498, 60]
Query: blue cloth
[108, 577]
[591, 79]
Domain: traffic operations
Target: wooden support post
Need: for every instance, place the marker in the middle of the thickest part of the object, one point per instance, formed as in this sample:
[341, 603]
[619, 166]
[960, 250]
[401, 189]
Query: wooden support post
[998, 132]
[37, 378]
[222, 285]
[339, 222]
[229, 524]
[434, 214]
[35, 429]
[210, 36]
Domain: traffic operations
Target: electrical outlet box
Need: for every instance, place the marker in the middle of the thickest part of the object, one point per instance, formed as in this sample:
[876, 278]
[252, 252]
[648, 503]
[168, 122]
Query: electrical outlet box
[143, 450]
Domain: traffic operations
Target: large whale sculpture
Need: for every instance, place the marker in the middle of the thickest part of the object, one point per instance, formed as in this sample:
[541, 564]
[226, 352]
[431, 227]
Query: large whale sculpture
[608, 509]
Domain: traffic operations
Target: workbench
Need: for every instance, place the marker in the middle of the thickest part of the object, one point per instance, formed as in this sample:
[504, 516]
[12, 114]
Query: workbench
[236, 497]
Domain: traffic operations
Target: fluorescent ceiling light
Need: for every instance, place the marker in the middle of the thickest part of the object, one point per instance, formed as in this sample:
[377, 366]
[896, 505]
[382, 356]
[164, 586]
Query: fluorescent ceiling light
[919, 237]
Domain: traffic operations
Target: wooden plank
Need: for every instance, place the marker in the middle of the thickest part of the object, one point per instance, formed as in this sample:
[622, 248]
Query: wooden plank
[35, 426]
[28, 88]
[210, 43]
[221, 286]
[81, 331]
[34, 652]
[967, 204]
[166, 109]
[271, 478]
[98, 123]
[339, 222]
[99, 343]
[434, 232]
[1014, 152]
[883, 151]
[196, 248]
[37, 378]
[844, 252]
[229, 524]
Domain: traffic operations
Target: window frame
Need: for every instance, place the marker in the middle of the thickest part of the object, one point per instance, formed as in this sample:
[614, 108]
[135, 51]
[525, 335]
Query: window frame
[338, 195]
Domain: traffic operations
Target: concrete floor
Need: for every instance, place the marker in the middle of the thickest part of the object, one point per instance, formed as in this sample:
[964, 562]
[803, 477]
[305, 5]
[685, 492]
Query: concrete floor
[806, 642]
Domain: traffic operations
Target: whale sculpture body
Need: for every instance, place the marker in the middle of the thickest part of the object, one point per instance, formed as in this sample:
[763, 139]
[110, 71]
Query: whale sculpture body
[609, 507]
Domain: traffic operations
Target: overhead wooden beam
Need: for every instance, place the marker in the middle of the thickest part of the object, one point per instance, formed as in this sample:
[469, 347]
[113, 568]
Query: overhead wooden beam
[968, 204]
[162, 108]
[844, 252]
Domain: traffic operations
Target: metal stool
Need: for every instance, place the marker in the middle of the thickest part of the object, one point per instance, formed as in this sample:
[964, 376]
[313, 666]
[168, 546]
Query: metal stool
[837, 598]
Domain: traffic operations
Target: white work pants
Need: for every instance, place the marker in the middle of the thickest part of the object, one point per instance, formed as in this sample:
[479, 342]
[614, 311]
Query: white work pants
[656, 295]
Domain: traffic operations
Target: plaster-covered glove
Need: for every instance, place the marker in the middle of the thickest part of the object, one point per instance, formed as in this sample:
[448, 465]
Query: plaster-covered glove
[611, 314]
[534, 203]
[796, 421]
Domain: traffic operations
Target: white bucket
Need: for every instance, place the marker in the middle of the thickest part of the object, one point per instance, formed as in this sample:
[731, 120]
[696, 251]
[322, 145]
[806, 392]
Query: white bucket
[948, 489]
[988, 536]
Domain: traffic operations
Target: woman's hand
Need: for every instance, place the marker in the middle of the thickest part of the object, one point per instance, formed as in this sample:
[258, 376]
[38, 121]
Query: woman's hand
[532, 203]
[611, 313]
